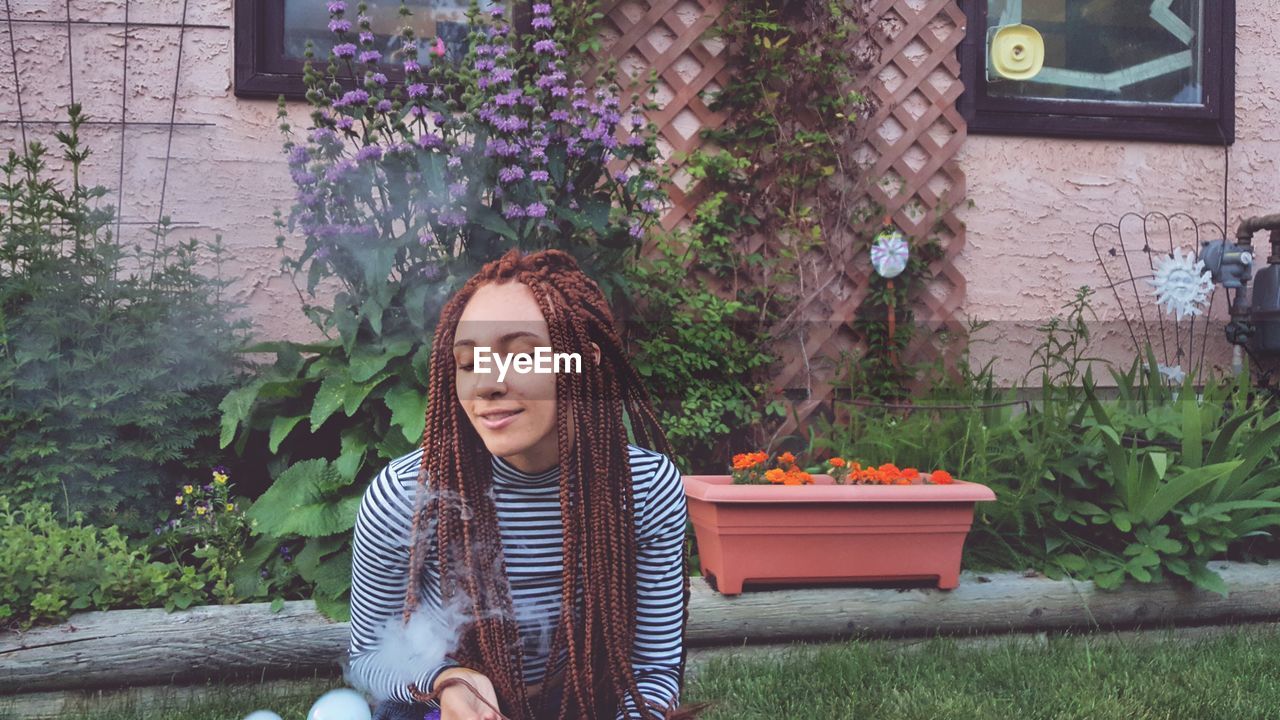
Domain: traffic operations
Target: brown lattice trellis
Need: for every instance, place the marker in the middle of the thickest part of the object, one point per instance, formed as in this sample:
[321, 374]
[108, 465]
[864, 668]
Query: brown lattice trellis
[910, 147]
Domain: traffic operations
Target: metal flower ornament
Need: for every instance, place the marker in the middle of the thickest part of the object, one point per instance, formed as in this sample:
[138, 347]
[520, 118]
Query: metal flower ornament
[1182, 284]
[889, 255]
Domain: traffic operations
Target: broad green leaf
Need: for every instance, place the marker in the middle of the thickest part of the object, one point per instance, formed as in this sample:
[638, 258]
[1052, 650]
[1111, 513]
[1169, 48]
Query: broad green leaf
[328, 398]
[1177, 489]
[1203, 577]
[356, 393]
[408, 411]
[490, 220]
[1192, 437]
[235, 409]
[280, 428]
[304, 501]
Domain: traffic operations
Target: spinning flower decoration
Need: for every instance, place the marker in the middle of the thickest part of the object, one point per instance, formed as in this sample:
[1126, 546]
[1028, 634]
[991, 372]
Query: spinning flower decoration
[1173, 374]
[1182, 284]
[889, 253]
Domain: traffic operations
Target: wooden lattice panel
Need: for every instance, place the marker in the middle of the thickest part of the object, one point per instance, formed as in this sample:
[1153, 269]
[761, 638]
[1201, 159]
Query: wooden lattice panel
[910, 145]
[667, 37]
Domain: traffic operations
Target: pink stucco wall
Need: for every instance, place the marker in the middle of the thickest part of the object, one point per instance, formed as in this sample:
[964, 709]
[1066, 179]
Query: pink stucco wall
[1036, 201]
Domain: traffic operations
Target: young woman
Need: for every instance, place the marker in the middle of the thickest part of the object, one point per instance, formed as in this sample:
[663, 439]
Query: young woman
[563, 543]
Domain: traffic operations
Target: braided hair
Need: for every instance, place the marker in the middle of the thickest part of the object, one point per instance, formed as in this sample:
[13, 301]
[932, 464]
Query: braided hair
[596, 502]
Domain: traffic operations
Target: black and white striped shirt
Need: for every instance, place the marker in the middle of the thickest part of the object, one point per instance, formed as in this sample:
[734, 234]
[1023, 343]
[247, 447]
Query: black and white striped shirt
[532, 541]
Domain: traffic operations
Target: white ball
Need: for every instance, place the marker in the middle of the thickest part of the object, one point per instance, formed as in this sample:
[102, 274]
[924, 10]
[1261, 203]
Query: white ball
[340, 704]
[262, 715]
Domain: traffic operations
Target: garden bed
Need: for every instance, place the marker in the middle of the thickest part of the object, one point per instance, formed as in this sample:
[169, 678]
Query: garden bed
[132, 648]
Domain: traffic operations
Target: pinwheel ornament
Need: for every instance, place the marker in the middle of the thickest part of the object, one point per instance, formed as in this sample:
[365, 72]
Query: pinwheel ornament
[889, 255]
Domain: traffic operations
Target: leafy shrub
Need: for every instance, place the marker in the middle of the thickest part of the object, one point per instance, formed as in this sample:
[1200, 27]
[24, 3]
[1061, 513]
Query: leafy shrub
[49, 569]
[112, 359]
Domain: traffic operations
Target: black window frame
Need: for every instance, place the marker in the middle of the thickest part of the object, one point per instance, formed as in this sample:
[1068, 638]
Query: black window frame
[1210, 124]
[263, 71]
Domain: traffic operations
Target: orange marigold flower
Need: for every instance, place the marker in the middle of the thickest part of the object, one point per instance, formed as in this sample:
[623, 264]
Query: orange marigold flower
[836, 462]
[941, 477]
[889, 469]
[786, 458]
[910, 473]
[902, 481]
[775, 475]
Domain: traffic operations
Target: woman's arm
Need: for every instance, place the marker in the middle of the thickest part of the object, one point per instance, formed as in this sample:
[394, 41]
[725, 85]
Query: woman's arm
[660, 590]
[379, 578]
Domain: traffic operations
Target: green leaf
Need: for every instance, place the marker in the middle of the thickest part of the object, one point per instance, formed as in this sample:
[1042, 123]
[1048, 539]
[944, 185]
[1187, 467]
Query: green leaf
[280, 429]
[1192, 437]
[235, 409]
[408, 408]
[1177, 489]
[489, 219]
[304, 501]
[329, 398]
[366, 363]
[1203, 577]
[356, 393]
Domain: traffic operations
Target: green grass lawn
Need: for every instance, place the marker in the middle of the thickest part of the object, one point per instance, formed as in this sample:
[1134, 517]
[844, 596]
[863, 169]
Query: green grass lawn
[1234, 676]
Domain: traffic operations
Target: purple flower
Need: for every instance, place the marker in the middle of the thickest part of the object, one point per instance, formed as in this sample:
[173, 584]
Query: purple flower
[370, 56]
[578, 90]
[542, 9]
[432, 272]
[454, 161]
[496, 12]
[323, 135]
[336, 172]
[452, 218]
[339, 26]
[308, 199]
[559, 91]
[510, 174]
[411, 66]
[483, 50]
[298, 155]
[439, 119]
[635, 141]
[543, 23]
[426, 236]
[649, 185]
[609, 141]
[355, 97]
[539, 175]
[430, 141]
[512, 212]
[336, 7]
[344, 50]
[483, 65]
[507, 99]
[416, 90]
[366, 37]
[510, 123]
[346, 123]
[384, 106]
[546, 81]
[458, 189]
[499, 51]
[648, 207]
[378, 79]
[636, 231]
[369, 152]
[544, 47]
[637, 121]
[622, 177]
[503, 74]
[560, 115]
[536, 210]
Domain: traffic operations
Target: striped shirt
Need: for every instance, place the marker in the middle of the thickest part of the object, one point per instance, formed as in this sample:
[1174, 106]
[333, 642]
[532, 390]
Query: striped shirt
[530, 526]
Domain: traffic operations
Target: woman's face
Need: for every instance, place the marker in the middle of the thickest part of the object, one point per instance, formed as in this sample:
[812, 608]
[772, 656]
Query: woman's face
[514, 416]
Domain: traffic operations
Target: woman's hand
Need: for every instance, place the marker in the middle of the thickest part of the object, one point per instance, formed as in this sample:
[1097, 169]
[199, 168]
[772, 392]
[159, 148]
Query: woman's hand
[459, 703]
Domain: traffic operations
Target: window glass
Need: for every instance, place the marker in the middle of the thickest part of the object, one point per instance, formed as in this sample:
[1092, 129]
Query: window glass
[1123, 51]
[309, 20]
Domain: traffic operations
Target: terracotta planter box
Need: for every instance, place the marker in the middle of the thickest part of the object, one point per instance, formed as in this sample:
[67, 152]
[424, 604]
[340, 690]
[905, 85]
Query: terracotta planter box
[827, 532]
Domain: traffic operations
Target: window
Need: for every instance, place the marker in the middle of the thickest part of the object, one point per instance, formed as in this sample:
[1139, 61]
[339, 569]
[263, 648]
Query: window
[271, 36]
[1161, 70]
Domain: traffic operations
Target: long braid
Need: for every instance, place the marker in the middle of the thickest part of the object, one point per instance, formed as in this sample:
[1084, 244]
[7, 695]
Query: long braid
[596, 500]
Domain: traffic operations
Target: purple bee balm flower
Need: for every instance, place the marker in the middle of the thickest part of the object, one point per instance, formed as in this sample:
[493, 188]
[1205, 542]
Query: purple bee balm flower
[298, 155]
[369, 152]
[432, 272]
[454, 161]
[635, 141]
[544, 47]
[637, 121]
[416, 90]
[496, 12]
[344, 50]
[609, 141]
[337, 7]
[482, 83]
[439, 119]
[507, 99]
[542, 9]
[536, 210]
[378, 79]
[510, 174]
[337, 172]
[346, 123]
[355, 97]
[580, 104]
[649, 207]
[430, 141]
[339, 26]
[510, 123]
[302, 177]
[559, 91]
[512, 212]
[578, 89]
[308, 199]
[622, 177]
[458, 189]
[543, 23]
[411, 66]
[503, 74]
[539, 175]
[366, 37]
[370, 56]
[383, 106]
[483, 50]
[560, 115]
[649, 185]
[483, 65]
[499, 50]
